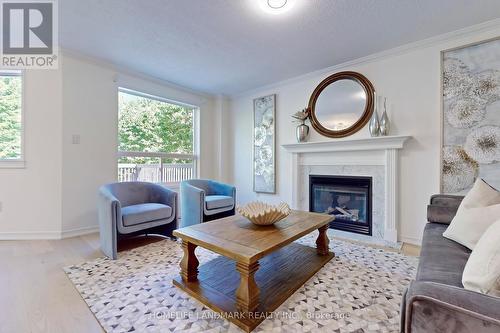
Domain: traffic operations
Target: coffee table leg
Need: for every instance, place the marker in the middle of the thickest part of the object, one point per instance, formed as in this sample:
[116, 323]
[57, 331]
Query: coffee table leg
[247, 295]
[322, 241]
[189, 263]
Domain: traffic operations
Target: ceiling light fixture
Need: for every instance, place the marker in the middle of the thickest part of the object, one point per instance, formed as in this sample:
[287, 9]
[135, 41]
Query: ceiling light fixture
[276, 4]
[274, 7]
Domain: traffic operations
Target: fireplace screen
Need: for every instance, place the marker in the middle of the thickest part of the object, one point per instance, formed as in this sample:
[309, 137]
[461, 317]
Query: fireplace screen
[346, 198]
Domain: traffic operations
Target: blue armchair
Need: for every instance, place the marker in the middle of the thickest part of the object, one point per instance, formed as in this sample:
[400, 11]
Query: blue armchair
[134, 208]
[205, 200]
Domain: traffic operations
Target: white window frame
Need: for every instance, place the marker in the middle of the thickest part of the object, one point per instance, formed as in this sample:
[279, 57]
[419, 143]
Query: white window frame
[17, 163]
[195, 156]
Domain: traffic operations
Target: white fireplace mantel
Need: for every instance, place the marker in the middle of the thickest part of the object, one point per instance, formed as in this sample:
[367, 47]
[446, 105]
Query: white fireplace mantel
[369, 151]
[376, 143]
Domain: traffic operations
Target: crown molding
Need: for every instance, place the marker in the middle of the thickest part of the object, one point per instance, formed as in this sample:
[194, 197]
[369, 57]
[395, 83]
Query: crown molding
[470, 31]
[127, 71]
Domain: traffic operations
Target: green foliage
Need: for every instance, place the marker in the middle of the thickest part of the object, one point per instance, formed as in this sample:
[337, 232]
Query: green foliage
[147, 125]
[10, 117]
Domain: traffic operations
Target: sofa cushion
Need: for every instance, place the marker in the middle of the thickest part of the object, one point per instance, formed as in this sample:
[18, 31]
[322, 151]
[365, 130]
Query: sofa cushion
[218, 201]
[142, 213]
[441, 260]
[482, 272]
[479, 209]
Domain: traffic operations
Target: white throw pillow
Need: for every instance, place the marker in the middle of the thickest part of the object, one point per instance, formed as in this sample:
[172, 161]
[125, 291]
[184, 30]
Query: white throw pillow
[479, 209]
[482, 271]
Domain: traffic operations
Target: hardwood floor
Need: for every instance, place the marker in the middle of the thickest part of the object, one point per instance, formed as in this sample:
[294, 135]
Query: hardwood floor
[410, 250]
[36, 295]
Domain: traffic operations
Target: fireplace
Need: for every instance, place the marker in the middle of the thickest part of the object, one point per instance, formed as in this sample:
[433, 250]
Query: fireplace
[348, 198]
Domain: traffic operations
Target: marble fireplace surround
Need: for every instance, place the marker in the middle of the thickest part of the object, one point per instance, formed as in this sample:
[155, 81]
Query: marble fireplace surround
[376, 157]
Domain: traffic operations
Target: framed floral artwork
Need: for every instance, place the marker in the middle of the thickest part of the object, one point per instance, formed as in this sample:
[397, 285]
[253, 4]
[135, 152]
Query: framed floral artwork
[471, 116]
[264, 158]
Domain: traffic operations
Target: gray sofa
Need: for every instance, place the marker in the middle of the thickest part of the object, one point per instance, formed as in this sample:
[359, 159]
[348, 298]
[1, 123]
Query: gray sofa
[130, 209]
[437, 301]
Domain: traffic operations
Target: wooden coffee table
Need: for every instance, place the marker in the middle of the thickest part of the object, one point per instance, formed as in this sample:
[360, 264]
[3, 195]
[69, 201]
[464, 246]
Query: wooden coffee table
[269, 266]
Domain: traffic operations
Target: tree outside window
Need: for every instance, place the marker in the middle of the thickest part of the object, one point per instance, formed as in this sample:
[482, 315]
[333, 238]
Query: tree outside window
[10, 116]
[156, 139]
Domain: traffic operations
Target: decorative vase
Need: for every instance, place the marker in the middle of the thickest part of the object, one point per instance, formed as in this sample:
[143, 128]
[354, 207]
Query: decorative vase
[302, 132]
[374, 125]
[260, 213]
[384, 121]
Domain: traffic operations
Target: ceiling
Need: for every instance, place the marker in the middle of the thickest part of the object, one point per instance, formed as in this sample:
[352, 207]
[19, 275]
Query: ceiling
[231, 46]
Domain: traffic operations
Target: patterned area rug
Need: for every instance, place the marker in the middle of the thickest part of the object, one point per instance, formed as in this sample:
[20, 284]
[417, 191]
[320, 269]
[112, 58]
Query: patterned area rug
[357, 291]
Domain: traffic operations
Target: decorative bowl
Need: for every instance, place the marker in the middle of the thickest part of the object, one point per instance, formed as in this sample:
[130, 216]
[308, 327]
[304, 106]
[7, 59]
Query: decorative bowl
[260, 213]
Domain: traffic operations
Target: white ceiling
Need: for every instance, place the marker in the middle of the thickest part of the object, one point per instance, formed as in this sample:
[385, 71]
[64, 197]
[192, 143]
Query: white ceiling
[230, 46]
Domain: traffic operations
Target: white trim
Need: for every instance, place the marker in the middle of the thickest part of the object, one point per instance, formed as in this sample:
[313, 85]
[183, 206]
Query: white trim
[18, 163]
[30, 235]
[137, 93]
[195, 156]
[75, 232]
[428, 42]
[12, 164]
[48, 235]
[411, 240]
[391, 195]
[11, 72]
[196, 142]
[376, 143]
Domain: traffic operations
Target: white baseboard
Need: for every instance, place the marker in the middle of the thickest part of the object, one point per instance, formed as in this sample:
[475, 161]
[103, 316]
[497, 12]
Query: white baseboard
[30, 235]
[411, 240]
[75, 232]
[47, 235]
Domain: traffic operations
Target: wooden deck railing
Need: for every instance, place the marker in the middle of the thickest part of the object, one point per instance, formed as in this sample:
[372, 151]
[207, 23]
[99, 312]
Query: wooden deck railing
[157, 173]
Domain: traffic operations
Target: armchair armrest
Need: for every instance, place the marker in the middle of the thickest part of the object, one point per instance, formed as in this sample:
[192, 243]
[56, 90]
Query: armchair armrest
[192, 202]
[443, 208]
[109, 213]
[435, 307]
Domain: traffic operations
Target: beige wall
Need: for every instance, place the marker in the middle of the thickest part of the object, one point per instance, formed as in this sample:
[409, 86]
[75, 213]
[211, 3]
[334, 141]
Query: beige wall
[409, 77]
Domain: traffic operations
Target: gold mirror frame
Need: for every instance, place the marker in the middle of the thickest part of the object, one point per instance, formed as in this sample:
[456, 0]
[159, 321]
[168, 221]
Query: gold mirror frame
[362, 121]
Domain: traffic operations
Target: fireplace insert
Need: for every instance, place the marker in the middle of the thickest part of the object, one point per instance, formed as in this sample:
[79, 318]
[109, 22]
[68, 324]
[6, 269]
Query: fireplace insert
[348, 198]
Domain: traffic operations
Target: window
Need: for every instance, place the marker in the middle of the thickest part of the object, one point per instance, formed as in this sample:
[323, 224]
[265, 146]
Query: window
[11, 122]
[157, 139]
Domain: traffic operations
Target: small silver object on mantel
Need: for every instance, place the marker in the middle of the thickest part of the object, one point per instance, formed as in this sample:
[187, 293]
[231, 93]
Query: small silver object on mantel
[302, 133]
[384, 121]
[374, 125]
[302, 130]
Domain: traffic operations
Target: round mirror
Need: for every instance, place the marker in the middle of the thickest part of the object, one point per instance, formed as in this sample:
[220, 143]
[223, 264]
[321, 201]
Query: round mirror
[342, 104]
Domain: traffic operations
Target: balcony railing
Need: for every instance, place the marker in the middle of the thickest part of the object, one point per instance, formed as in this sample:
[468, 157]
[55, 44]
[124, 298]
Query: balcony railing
[157, 173]
[162, 172]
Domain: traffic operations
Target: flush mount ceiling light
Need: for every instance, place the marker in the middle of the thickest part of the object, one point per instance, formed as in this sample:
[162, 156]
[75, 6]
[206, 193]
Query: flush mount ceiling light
[274, 7]
[276, 4]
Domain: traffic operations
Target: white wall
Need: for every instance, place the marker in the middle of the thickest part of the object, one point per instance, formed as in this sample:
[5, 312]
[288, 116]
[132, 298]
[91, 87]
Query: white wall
[55, 195]
[90, 107]
[90, 103]
[409, 77]
[31, 196]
